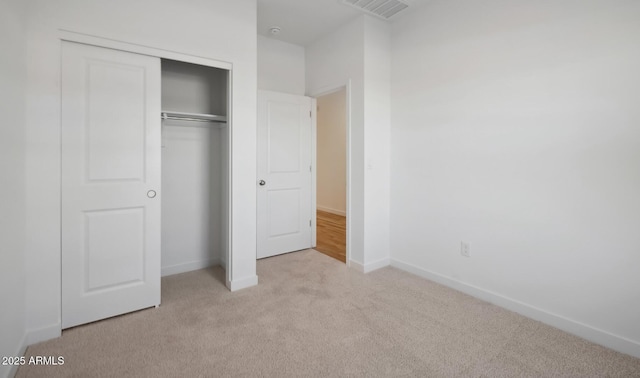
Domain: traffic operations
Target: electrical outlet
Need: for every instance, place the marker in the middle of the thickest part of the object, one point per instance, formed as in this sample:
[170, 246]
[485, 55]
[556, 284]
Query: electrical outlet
[465, 249]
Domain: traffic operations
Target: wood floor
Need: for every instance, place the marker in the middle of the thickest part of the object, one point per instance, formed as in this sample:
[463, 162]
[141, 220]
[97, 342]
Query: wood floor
[331, 235]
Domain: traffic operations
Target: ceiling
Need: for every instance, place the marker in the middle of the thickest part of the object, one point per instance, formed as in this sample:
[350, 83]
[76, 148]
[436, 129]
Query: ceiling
[304, 21]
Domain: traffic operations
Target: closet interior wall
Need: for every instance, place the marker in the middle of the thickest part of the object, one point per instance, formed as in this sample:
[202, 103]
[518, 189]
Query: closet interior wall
[194, 169]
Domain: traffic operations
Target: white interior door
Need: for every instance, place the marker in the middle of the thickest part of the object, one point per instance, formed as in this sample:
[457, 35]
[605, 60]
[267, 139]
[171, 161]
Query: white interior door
[284, 173]
[110, 183]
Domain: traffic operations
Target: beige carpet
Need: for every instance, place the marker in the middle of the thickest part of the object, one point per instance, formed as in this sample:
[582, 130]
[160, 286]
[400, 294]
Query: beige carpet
[312, 316]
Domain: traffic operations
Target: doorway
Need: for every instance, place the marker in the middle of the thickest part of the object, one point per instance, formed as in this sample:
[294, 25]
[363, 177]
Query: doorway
[332, 173]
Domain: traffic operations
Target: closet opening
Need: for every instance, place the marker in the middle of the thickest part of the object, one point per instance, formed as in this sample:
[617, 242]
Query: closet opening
[195, 167]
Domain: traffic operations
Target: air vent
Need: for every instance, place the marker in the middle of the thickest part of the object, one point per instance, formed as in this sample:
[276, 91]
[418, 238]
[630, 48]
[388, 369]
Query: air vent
[384, 9]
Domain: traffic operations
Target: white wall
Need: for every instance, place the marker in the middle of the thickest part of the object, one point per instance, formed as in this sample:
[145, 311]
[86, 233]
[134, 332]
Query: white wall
[191, 194]
[332, 152]
[516, 129]
[12, 179]
[281, 66]
[194, 88]
[377, 136]
[358, 54]
[214, 29]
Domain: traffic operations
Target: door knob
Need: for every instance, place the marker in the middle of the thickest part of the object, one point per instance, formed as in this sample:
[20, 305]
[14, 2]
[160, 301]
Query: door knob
[262, 183]
[151, 194]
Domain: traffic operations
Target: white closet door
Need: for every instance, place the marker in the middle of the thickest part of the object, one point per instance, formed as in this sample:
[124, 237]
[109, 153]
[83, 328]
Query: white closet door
[110, 183]
[284, 173]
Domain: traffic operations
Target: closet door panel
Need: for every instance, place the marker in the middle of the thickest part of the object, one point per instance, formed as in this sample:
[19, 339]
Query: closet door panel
[110, 183]
[116, 128]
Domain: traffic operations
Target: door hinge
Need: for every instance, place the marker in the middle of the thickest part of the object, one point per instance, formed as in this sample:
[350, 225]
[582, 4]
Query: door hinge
[309, 222]
[309, 168]
[310, 114]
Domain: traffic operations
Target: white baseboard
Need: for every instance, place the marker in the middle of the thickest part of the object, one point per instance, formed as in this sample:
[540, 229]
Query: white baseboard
[330, 210]
[377, 265]
[356, 265]
[242, 283]
[39, 335]
[188, 267]
[366, 268]
[20, 351]
[598, 336]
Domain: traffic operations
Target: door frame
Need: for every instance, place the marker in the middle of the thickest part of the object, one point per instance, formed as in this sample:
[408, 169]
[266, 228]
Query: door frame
[314, 145]
[70, 36]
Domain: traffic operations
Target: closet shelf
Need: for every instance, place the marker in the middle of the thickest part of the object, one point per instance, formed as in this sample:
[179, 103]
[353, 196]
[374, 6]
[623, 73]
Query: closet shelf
[182, 116]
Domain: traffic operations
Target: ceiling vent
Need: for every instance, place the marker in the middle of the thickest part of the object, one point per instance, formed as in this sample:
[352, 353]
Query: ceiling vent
[384, 9]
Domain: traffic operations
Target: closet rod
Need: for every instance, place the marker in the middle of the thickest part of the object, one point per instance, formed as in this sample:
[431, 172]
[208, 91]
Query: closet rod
[181, 116]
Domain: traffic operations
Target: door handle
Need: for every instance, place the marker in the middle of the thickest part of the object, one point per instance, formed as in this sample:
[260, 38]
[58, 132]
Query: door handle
[262, 183]
[151, 194]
